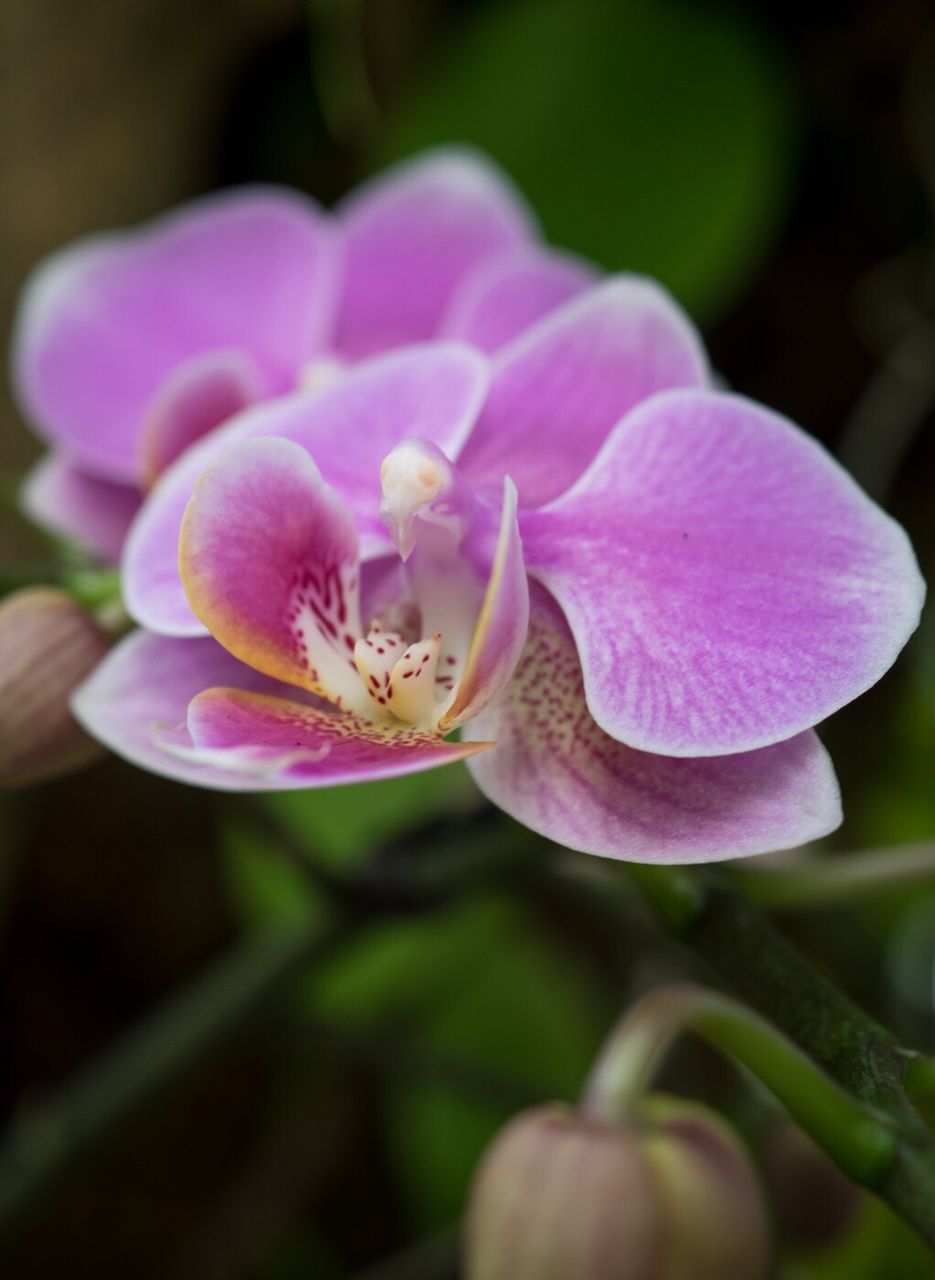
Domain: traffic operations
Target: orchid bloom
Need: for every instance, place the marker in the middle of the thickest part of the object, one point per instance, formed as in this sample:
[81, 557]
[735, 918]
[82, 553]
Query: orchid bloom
[130, 346]
[634, 595]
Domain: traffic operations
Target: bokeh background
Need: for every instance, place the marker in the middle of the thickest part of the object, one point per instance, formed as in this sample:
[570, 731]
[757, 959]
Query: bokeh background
[774, 165]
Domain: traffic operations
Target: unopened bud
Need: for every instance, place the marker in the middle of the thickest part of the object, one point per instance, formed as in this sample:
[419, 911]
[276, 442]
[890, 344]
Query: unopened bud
[48, 644]
[670, 1194]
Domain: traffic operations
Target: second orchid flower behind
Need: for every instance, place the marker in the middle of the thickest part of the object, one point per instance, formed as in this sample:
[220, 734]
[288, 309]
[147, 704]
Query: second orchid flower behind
[634, 595]
[131, 345]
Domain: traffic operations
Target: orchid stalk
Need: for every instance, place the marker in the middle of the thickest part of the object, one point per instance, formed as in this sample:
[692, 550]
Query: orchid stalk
[861, 1140]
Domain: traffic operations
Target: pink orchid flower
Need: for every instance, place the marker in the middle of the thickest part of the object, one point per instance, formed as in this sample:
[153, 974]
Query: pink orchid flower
[130, 346]
[633, 595]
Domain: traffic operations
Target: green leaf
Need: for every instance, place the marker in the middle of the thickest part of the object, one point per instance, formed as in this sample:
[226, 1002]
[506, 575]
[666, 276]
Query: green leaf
[341, 824]
[263, 886]
[648, 135]
[406, 968]
[521, 1012]
[337, 825]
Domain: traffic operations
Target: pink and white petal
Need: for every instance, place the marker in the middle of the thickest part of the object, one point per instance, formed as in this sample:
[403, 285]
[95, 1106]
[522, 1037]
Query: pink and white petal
[103, 323]
[500, 630]
[139, 695]
[268, 559]
[727, 583]
[304, 745]
[434, 391]
[411, 236]
[198, 396]
[560, 387]
[504, 296]
[557, 772]
[66, 501]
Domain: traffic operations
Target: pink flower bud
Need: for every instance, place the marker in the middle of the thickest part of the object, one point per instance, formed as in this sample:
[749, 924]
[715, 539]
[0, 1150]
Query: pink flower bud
[48, 644]
[668, 1194]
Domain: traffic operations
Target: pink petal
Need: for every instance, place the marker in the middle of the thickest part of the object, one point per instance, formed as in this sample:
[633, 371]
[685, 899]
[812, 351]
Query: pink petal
[563, 384]
[65, 500]
[411, 236]
[504, 296]
[310, 746]
[103, 323]
[727, 583]
[197, 397]
[140, 693]
[500, 631]
[556, 771]
[268, 559]
[348, 427]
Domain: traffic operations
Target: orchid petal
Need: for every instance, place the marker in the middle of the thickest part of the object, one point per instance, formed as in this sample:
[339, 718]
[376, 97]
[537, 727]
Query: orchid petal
[305, 745]
[411, 236]
[197, 397]
[504, 296]
[560, 387]
[347, 427]
[500, 631]
[139, 695]
[726, 581]
[103, 323]
[92, 512]
[268, 559]
[557, 772]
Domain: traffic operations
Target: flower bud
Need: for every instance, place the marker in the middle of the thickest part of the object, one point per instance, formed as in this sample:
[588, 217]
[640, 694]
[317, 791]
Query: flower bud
[668, 1194]
[48, 644]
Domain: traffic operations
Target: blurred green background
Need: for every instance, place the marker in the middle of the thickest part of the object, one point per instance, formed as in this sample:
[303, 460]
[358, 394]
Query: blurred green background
[775, 167]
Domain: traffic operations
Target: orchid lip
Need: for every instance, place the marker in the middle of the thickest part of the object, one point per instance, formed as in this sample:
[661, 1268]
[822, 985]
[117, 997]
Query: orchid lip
[376, 671]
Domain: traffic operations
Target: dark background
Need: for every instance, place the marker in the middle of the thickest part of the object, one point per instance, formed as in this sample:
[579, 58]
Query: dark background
[774, 165]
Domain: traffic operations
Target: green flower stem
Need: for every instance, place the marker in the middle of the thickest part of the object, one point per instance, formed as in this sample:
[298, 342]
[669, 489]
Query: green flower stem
[673, 892]
[741, 944]
[814, 882]
[861, 1141]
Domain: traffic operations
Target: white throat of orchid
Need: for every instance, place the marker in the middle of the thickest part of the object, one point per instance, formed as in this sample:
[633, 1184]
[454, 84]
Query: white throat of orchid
[394, 672]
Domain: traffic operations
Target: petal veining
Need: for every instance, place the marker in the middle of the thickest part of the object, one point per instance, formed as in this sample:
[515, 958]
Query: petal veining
[560, 387]
[727, 583]
[555, 770]
[268, 558]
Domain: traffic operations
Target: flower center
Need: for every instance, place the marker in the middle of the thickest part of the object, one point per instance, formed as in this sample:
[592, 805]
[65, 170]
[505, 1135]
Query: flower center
[429, 510]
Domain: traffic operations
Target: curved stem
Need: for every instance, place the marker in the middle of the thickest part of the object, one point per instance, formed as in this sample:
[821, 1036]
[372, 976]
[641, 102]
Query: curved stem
[736, 941]
[861, 1140]
[814, 882]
